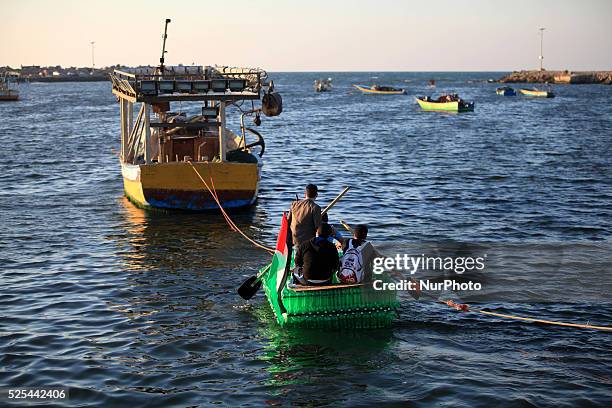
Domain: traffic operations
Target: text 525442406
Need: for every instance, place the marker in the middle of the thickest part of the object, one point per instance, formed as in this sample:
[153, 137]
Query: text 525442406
[32, 393]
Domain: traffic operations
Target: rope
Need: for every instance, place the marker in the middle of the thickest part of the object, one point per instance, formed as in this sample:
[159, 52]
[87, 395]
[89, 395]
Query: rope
[229, 221]
[529, 319]
[466, 308]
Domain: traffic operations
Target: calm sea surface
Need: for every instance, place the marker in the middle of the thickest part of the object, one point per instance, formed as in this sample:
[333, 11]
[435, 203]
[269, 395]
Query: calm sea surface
[132, 308]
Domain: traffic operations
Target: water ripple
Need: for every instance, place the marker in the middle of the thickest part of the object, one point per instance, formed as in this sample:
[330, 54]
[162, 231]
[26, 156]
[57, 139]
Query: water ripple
[133, 308]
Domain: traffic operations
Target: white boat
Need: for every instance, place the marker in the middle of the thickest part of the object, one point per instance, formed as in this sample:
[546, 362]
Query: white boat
[8, 87]
[323, 85]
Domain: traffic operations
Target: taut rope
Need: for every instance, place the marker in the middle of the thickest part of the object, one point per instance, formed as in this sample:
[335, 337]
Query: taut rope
[229, 221]
[466, 308]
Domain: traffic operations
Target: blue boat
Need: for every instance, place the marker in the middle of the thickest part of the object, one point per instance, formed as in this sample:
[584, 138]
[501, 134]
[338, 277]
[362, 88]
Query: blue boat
[505, 91]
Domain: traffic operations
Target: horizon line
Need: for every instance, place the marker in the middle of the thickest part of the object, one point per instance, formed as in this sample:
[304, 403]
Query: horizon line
[322, 70]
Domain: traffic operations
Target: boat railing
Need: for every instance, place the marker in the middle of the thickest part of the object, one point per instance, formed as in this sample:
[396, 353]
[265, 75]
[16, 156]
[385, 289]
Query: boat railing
[188, 83]
[8, 82]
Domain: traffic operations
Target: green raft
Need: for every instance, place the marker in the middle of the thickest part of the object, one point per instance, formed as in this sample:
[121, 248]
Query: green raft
[334, 306]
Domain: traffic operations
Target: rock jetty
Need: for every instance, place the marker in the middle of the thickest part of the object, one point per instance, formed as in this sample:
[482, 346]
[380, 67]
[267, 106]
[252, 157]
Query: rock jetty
[560, 77]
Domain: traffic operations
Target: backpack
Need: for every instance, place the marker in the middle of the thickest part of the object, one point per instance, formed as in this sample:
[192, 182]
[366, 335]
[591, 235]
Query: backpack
[351, 270]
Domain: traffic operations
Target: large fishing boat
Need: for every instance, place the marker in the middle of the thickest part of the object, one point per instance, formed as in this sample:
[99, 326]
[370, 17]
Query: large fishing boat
[178, 152]
[8, 88]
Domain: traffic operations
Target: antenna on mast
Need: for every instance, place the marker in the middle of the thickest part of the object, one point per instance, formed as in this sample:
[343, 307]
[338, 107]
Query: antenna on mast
[161, 60]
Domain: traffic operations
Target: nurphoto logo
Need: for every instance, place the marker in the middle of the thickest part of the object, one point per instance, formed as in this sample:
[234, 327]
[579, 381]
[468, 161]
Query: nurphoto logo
[411, 264]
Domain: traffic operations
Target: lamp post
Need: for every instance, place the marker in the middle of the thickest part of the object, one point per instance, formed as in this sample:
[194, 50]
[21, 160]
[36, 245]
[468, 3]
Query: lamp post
[542, 48]
[93, 62]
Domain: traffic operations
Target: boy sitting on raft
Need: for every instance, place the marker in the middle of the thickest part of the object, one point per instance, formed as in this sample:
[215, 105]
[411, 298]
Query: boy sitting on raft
[316, 259]
[335, 237]
[358, 257]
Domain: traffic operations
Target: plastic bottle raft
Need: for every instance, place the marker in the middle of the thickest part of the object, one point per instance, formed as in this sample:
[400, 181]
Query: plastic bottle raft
[333, 306]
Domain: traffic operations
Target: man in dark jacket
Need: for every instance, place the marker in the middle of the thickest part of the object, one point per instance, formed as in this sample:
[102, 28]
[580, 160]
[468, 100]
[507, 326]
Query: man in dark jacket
[317, 259]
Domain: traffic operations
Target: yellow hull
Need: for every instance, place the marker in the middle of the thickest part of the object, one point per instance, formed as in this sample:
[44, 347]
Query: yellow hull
[177, 186]
[445, 106]
[373, 91]
[540, 94]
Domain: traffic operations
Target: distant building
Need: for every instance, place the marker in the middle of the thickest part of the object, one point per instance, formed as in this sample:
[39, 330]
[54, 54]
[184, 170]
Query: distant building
[30, 70]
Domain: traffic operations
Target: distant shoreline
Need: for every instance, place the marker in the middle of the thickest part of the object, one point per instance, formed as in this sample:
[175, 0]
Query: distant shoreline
[65, 79]
[523, 76]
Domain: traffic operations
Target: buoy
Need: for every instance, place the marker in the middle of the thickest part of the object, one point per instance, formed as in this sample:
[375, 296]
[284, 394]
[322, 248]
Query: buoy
[272, 104]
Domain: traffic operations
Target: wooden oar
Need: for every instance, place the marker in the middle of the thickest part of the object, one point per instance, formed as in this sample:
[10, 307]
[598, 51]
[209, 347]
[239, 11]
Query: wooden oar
[345, 225]
[335, 200]
[250, 286]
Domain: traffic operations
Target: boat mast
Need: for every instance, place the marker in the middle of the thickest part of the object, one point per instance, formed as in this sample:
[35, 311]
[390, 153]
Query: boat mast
[161, 59]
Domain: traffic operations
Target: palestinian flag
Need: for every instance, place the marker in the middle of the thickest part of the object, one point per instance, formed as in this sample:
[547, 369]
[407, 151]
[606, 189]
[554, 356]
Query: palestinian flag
[281, 265]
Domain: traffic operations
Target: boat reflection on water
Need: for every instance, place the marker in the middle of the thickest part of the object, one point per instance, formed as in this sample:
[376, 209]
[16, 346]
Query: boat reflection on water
[318, 367]
[176, 265]
[171, 241]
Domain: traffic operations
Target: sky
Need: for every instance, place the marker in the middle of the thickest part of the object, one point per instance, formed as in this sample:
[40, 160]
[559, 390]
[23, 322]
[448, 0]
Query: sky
[313, 35]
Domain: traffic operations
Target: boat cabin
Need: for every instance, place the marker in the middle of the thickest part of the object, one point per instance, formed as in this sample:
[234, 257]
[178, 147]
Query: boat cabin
[8, 88]
[182, 115]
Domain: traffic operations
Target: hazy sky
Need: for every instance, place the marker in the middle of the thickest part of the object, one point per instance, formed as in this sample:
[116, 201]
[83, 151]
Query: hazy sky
[312, 35]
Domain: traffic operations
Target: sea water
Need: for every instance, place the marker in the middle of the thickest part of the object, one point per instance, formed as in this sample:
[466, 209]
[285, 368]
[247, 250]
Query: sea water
[127, 307]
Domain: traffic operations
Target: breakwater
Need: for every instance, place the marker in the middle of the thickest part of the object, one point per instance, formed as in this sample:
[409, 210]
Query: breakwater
[560, 77]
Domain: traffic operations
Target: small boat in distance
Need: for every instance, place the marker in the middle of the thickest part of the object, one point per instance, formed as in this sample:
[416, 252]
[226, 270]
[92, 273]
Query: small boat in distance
[537, 93]
[380, 90]
[448, 103]
[505, 91]
[323, 85]
[8, 91]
